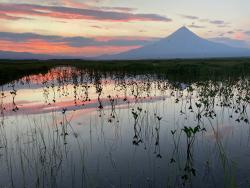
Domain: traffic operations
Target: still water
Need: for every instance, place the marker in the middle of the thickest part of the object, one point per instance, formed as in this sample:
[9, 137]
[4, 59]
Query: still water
[79, 128]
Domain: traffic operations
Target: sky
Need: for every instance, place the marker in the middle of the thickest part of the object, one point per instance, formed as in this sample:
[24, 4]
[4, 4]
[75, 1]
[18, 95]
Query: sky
[95, 27]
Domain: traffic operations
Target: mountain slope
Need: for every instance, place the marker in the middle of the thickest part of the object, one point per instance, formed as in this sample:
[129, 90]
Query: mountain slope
[22, 55]
[26, 55]
[182, 44]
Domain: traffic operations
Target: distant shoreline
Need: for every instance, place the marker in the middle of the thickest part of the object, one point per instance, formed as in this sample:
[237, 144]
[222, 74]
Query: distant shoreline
[182, 69]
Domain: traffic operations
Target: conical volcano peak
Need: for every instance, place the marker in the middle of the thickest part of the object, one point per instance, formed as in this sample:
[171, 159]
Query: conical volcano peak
[184, 29]
[183, 43]
[182, 33]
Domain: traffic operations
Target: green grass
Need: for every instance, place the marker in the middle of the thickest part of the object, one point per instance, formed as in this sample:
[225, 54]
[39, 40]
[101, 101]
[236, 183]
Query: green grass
[179, 69]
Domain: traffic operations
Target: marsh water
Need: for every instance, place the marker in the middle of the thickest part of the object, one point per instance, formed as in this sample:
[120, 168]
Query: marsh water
[79, 128]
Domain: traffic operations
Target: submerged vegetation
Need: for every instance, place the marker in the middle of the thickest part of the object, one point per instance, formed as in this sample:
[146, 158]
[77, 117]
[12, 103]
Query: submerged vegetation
[113, 125]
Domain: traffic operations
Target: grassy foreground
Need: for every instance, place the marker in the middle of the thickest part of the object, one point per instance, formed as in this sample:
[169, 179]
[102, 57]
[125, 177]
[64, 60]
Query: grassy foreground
[180, 69]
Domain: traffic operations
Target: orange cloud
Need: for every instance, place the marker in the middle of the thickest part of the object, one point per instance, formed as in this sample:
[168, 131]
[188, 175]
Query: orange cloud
[45, 47]
[127, 38]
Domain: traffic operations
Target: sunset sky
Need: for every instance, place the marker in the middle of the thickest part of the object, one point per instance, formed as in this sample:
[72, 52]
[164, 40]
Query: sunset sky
[95, 27]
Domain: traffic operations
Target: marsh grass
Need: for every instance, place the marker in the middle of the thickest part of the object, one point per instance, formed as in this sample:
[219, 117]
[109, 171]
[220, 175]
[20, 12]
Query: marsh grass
[38, 153]
[50, 152]
[178, 69]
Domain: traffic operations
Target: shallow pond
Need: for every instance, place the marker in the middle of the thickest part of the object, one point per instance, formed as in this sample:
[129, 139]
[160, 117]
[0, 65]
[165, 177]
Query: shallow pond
[79, 128]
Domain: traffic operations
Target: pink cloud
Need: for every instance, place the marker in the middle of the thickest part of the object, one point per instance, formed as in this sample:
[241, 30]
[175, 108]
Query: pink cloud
[75, 13]
[45, 47]
[8, 17]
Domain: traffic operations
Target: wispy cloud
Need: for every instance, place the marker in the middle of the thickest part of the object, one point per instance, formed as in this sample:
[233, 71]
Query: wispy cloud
[72, 3]
[230, 32]
[122, 9]
[218, 23]
[77, 4]
[75, 13]
[77, 41]
[9, 17]
[60, 48]
[189, 17]
[247, 33]
[193, 25]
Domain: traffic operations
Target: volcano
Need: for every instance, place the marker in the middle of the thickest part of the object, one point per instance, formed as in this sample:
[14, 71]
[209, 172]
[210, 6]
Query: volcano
[181, 44]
